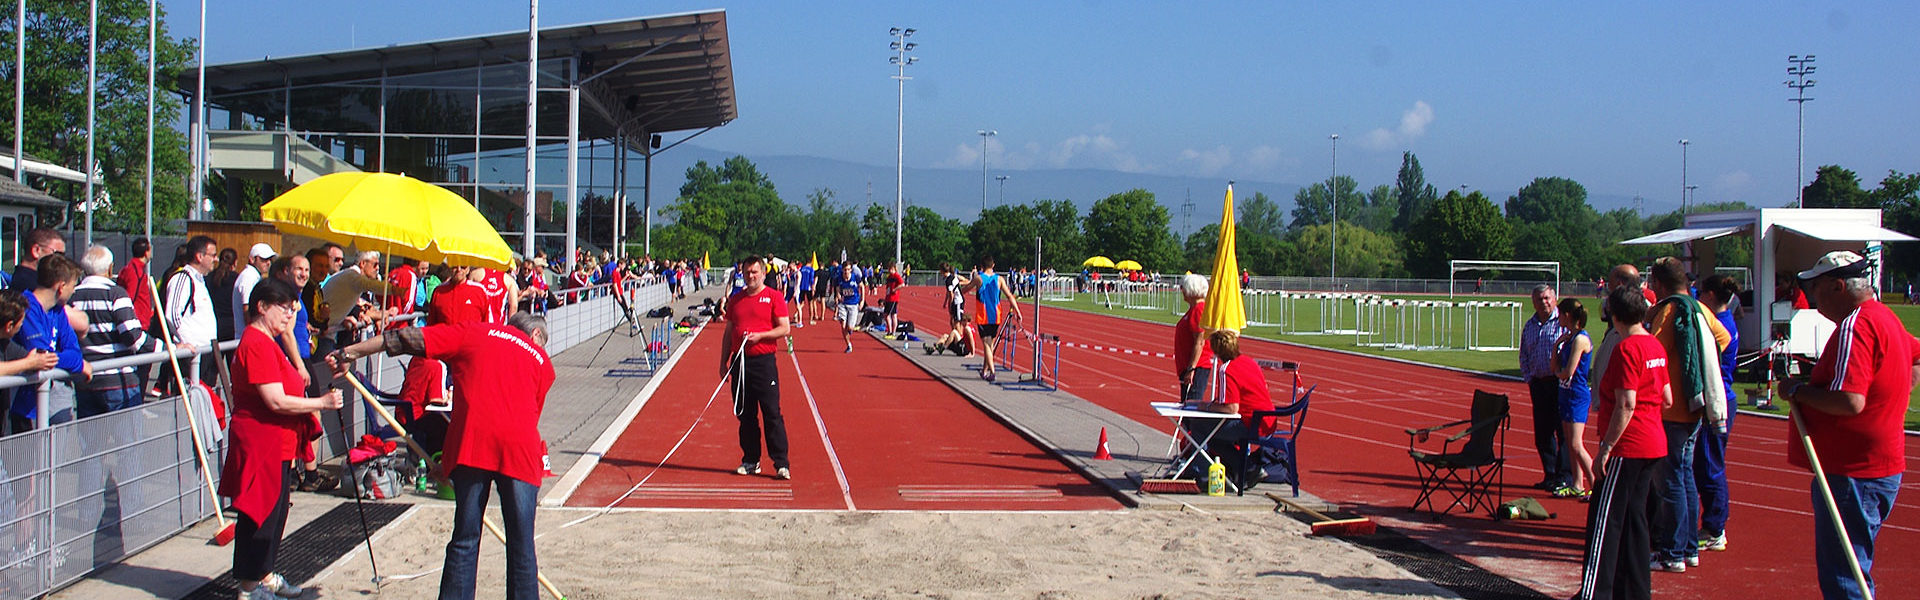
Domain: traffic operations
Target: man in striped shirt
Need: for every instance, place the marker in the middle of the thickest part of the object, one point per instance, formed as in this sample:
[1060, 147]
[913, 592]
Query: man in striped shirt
[113, 331]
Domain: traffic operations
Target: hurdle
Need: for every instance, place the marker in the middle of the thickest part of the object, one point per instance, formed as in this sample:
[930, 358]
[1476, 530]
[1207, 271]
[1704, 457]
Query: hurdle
[1375, 309]
[1474, 318]
[1142, 295]
[1056, 289]
[1259, 307]
[1046, 372]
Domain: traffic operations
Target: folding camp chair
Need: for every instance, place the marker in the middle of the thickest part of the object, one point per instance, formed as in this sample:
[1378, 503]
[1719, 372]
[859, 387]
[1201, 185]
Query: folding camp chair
[1276, 451]
[1472, 473]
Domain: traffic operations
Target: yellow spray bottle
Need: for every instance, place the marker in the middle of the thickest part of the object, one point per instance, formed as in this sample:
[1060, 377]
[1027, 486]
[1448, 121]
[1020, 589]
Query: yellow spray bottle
[1216, 479]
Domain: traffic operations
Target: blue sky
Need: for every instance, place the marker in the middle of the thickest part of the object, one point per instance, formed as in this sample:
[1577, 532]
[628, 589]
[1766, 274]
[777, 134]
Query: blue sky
[1488, 94]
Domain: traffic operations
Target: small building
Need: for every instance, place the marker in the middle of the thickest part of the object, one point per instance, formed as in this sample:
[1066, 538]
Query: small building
[19, 209]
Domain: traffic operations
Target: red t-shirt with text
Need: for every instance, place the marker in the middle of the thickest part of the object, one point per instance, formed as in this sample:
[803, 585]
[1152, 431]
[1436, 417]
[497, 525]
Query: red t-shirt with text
[494, 284]
[1870, 354]
[751, 313]
[1638, 363]
[1184, 334]
[500, 384]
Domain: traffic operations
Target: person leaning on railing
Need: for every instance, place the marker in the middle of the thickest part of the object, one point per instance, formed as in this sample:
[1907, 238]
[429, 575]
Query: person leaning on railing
[271, 428]
[19, 360]
[46, 327]
[114, 331]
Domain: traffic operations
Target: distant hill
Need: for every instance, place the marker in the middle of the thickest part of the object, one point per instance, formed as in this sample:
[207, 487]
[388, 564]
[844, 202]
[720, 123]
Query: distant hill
[956, 192]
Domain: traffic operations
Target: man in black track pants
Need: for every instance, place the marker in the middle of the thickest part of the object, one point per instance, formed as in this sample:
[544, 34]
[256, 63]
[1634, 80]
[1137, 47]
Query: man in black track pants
[756, 317]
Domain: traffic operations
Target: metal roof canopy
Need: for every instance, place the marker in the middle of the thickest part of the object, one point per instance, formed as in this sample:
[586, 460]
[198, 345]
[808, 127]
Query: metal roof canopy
[651, 74]
[1685, 234]
[1836, 232]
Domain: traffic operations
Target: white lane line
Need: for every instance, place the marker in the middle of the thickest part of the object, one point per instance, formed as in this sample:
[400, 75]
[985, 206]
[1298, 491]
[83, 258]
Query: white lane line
[846, 492]
[577, 474]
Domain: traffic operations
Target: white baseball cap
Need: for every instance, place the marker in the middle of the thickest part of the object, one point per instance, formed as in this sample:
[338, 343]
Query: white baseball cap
[262, 250]
[1839, 263]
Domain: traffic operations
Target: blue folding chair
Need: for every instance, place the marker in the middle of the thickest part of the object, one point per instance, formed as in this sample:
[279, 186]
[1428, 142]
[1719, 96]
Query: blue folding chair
[1275, 455]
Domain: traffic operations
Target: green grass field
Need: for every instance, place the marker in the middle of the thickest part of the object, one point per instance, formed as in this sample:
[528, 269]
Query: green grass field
[1495, 331]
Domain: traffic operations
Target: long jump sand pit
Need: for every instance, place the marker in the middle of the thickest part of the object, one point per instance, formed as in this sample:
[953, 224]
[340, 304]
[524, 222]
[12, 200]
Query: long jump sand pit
[741, 554]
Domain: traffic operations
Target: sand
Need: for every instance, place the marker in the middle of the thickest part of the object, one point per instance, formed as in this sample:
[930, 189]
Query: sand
[959, 555]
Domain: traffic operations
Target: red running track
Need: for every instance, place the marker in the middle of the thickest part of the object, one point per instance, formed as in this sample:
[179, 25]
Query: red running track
[886, 436]
[1353, 452]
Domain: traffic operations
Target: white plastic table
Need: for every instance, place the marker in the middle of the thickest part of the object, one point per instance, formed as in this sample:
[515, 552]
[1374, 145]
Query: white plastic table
[1177, 412]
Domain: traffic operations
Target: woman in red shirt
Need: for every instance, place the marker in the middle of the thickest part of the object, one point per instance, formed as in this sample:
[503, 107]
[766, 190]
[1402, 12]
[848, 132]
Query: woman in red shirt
[269, 427]
[1243, 390]
[1619, 552]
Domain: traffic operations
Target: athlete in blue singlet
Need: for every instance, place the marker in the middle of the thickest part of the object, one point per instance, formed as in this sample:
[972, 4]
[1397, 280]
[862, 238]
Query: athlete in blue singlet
[849, 308]
[989, 290]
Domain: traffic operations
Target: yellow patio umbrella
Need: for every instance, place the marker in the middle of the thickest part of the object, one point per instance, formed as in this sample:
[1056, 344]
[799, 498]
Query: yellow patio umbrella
[1098, 261]
[1224, 307]
[1127, 265]
[384, 211]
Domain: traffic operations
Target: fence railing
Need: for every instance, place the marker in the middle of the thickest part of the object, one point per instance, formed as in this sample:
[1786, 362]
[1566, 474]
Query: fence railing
[82, 494]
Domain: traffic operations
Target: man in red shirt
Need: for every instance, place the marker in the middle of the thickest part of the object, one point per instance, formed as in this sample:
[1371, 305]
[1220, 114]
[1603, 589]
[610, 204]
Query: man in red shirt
[458, 300]
[1619, 549]
[134, 278]
[1192, 357]
[1853, 406]
[405, 281]
[756, 320]
[891, 305]
[502, 294]
[494, 439]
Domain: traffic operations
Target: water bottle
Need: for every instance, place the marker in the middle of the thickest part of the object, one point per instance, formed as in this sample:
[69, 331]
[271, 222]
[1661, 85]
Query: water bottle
[1216, 479]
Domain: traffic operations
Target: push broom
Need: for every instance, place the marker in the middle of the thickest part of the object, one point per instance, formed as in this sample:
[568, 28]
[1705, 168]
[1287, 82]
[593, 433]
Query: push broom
[434, 466]
[1326, 525]
[193, 424]
[1833, 510]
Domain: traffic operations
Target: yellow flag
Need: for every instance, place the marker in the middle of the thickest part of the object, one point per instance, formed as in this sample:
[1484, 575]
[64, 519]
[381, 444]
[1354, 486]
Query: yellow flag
[706, 261]
[1224, 307]
[815, 263]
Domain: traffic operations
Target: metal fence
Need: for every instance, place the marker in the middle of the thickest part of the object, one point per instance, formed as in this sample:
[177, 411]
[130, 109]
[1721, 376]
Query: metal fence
[83, 494]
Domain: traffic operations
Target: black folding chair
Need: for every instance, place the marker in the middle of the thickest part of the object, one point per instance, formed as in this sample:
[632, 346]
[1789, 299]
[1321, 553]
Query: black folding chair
[1472, 473]
[1276, 451]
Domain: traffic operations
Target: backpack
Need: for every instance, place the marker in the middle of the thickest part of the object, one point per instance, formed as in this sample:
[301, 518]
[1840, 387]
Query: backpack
[1523, 509]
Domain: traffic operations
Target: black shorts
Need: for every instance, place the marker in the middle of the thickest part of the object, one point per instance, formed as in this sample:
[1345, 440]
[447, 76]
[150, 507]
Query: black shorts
[956, 313]
[806, 295]
[989, 331]
[889, 307]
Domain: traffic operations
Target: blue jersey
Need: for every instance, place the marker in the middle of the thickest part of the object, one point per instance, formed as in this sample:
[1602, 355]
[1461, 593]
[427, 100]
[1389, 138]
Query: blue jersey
[849, 288]
[1577, 388]
[806, 277]
[989, 296]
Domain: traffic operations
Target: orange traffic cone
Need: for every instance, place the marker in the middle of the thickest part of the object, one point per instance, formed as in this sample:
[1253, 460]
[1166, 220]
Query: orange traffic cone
[1102, 453]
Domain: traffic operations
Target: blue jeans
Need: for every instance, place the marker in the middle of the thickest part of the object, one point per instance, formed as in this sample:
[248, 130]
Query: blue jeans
[517, 500]
[1676, 517]
[1864, 504]
[98, 402]
[1710, 476]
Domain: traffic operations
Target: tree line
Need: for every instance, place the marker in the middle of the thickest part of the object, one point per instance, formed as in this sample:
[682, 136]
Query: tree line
[1406, 229]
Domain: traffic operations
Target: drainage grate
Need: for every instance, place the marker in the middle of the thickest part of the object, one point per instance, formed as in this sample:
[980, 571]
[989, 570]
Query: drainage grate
[312, 547]
[1445, 570]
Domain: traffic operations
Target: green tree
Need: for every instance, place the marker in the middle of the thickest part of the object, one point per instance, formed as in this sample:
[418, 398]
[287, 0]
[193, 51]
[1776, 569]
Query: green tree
[1256, 252]
[1899, 197]
[1058, 222]
[1412, 194]
[1552, 221]
[1311, 205]
[56, 106]
[1378, 212]
[1457, 228]
[1835, 187]
[876, 236]
[736, 208]
[1363, 253]
[1261, 214]
[827, 226]
[928, 239]
[1005, 234]
[1131, 226]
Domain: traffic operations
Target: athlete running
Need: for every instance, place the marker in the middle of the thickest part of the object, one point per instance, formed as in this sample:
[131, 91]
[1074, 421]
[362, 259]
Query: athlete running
[848, 311]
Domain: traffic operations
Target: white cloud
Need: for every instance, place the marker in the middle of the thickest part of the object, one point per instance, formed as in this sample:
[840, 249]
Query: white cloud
[1208, 162]
[1263, 157]
[1413, 125]
[1094, 150]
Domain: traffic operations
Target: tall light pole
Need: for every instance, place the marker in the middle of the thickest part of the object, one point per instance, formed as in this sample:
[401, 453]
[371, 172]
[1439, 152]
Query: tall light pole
[900, 61]
[984, 134]
[1333, 192]
[1693, 194]
[1003, 188]
[1683, 176]
[1800, 70]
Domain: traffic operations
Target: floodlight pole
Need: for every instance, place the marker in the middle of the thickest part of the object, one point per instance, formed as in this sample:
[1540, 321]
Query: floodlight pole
[984, 134]
[197, 126]
[1333, 191]
[900, 60]
[533, 97]
[153, 32]
[20, 90]
[1683, 176]
[1003, 188]
[1800, 70]
[93, 66]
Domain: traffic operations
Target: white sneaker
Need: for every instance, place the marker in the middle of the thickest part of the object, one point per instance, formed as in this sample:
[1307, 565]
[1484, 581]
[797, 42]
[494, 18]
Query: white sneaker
[752, 468]
[1716, 543]
[783, 473]
[278, 584]
[1693, 561]
[1678, 566]
[260, 592]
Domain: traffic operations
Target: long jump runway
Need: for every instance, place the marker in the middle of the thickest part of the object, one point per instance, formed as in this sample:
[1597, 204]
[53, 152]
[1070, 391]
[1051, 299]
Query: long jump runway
[1353, 452]
[868, 431]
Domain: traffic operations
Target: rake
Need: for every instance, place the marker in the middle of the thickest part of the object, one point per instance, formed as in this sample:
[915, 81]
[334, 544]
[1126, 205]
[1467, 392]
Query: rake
[1326, 525]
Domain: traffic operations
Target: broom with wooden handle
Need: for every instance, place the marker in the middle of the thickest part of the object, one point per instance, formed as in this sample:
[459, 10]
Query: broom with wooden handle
[1826, 494]
[434, 466]
[225, 534]
[1328, 525]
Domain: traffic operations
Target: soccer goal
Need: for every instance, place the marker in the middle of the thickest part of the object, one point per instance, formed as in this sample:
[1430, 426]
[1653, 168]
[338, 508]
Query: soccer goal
[1454, 267]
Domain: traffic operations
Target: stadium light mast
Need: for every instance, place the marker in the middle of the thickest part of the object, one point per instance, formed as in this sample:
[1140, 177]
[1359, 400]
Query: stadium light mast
[984, 134]
[1003, 188]
[1333, 191]
[900, 60]
[1683, 176]
[1800, 70]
